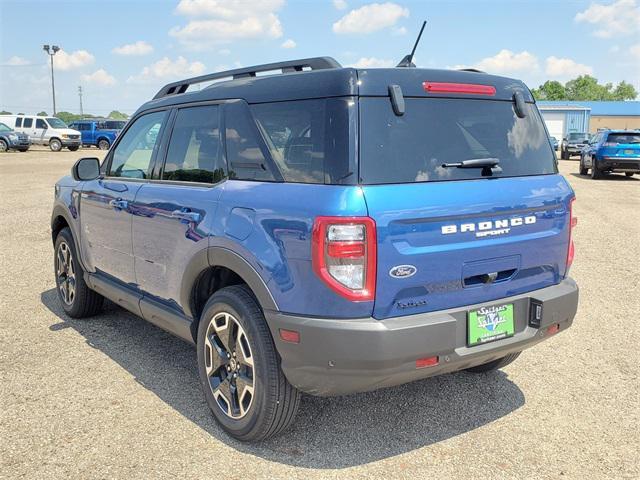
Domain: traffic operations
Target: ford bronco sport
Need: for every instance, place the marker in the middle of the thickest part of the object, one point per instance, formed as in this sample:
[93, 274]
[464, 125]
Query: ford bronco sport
[325, 230]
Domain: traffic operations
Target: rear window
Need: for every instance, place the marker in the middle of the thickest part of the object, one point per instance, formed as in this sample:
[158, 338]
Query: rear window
[623, 138]
[578, 137]
[434, 131]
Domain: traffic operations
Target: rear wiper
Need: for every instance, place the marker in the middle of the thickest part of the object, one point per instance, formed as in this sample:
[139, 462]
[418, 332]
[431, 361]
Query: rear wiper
[474, 163]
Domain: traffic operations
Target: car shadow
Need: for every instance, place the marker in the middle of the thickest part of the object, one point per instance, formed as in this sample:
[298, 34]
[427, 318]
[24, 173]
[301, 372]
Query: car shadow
[328, 433]
[617, 177]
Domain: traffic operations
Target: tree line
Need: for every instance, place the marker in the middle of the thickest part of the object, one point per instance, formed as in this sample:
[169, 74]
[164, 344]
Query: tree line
[68, 117]
[584, 88]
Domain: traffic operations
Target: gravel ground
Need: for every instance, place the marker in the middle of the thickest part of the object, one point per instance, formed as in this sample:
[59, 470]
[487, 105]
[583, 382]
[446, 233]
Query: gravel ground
[114, 397]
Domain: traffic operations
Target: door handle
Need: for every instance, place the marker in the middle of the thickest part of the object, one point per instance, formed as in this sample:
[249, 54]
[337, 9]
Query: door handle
[186, 215]
[119, 204]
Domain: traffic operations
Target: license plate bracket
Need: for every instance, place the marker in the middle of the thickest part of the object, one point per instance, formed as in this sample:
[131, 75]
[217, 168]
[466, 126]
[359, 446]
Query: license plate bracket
[488, 324]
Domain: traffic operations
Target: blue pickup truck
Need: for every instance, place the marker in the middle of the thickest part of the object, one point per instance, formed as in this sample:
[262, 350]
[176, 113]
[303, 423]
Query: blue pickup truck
[95, 132]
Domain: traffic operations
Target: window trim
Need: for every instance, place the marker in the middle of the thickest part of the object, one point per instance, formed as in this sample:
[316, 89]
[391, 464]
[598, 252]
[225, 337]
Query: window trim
[109, 158]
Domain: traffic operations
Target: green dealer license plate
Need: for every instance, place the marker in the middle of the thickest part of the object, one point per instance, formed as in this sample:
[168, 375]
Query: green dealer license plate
[490, 323]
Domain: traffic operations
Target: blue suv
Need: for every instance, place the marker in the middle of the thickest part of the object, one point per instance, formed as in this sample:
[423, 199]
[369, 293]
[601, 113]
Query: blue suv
[95, 132]
[325, 230]
[611, 151]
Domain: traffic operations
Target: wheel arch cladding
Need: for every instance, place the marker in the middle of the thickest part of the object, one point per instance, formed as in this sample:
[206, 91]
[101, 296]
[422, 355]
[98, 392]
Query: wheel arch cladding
[214, 268]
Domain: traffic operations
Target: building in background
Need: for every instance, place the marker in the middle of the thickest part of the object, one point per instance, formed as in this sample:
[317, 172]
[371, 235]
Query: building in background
[563, 117]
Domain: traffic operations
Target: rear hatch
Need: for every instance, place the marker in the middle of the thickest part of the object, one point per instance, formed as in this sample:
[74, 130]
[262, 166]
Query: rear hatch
[448, 236]
[622, 145]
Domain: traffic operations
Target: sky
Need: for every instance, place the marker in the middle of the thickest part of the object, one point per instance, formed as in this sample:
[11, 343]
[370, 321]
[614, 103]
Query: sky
[122, 52]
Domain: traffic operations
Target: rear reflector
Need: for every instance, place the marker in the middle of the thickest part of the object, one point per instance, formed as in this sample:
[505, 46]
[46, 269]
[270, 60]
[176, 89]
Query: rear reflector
[427, 362]
[555, 328]
[290, 336]
[468, 88]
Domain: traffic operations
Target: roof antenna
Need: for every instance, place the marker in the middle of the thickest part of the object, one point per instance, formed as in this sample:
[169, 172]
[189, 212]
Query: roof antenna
[407, 61]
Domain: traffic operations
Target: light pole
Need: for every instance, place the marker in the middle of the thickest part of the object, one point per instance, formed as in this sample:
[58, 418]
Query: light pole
[51, 52]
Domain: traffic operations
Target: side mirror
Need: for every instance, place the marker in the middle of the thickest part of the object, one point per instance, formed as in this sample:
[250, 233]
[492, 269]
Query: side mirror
[86, 169]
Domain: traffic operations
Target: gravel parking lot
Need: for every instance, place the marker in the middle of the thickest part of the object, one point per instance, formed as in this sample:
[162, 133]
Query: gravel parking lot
[115, 397]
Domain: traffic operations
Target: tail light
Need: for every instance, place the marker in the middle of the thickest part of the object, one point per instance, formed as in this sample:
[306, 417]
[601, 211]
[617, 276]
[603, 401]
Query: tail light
[344, 255]
[468, 88]
[573, 221]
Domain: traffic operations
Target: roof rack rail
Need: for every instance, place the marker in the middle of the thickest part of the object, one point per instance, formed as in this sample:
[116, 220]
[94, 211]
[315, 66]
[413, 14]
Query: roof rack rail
[470, 70]
[317, 63]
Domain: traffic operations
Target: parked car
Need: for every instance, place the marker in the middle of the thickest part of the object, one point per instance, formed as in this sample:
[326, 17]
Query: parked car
[49, 131]
[612, 151]
[554, 142]
[326, 230]
[12, 140]
[573, 144]
[94, 132]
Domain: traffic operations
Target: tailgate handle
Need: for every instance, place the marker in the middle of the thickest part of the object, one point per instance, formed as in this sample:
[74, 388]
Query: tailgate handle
[489, 277]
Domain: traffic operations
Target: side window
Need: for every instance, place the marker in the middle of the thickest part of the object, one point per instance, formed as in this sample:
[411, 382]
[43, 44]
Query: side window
[132, 156]
[195, 150]
[40, 123]
[28, 123]
[18, 122]
[246, 160]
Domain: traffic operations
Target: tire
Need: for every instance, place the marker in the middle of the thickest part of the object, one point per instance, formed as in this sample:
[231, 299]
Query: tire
[495, 364]
[595, 173]
[583, 170]
[73, 149]
[23, 149]
[77, 299]
[564, 155]
[104, 144]
[4, 147]
[55, 145]
[628, 174]
[273, 401]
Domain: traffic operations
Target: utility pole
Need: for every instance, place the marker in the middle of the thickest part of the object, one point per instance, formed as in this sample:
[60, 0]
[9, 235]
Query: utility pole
[51, 52]
[80, 95]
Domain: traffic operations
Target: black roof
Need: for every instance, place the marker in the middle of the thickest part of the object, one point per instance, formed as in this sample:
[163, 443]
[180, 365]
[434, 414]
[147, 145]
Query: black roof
[328, 79]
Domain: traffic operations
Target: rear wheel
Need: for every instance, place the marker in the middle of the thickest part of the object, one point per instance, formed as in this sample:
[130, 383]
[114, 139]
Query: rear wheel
[495, 364]
[23, 149]
[77, 299]
[104, 144]
[595, 173]
[564, 155]
[74, 149]
[55, 145]
[239, 368]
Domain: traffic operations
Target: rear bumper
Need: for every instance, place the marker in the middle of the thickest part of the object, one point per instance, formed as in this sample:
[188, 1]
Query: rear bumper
[341, 356]
[619, 164]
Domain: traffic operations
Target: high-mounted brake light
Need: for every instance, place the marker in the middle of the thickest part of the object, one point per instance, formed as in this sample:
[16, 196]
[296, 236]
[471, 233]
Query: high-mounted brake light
[344, 255]
[468, 88]
[573, 221]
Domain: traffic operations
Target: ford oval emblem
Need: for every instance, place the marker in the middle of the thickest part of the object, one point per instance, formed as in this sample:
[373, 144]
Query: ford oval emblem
[403, 271]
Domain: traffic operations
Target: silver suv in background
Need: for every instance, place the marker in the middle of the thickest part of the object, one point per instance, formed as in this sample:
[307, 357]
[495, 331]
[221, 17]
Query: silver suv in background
[41, 130]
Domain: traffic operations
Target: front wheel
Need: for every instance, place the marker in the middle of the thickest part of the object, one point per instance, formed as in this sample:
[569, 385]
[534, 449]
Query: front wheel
[3, 145]
[495, 364]
[77, 299]
[629, 174]
[23, 149]
[239, 368]
[55, 145]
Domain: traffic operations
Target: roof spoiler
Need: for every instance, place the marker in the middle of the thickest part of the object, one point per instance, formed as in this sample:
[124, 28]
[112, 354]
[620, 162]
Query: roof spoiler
[316, 63]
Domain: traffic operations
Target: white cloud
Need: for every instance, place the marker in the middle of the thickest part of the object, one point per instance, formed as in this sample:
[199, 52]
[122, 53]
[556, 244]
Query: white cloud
[16, 61]
[288, 44]
[400, 31]
[618, 18]
[340, 4]
[166, 69]
[372, 62]
[506, 62]
[370, 18]
[218, 21]
[69, 61]
[101, 77]
[135, 49]
[566, 67]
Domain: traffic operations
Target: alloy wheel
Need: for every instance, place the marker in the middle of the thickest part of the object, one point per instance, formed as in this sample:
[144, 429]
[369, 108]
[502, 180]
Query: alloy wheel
[229, 365]
[65, 273]
[3, 146]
